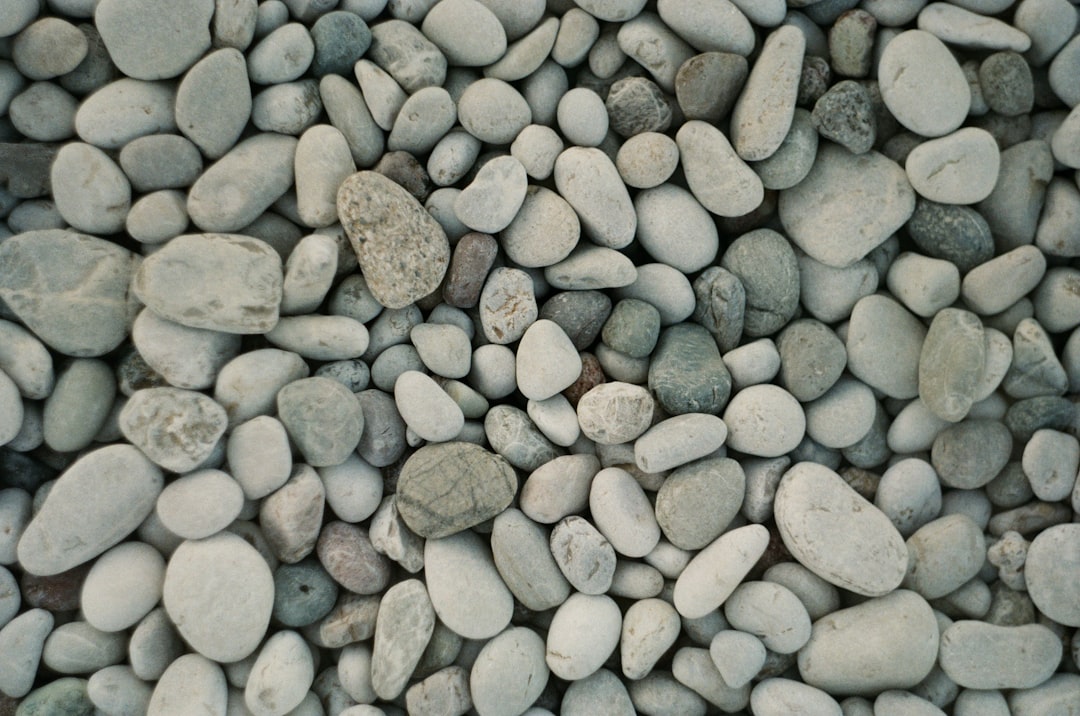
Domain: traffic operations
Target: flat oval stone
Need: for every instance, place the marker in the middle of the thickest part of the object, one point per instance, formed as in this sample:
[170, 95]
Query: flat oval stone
[220, 282]
[404, 52]
[195, 424]
[150, 42]
[559, 488]
[248, 385]
[79, 405]
[26, 361]
[1053, 561]
[583, 634]
[889, 642]
[449, 24]
[228, 622]
[650, 627]
[623, 513]
[493, 111]
[738, 656]
[510, 672]
[868, 556]
[716, 175]
[714, 572]
[961, 26]
[959, 168]
[23, 639]
[466, 590]
[402, 250]
[834, 215]
[523, 557]
[90, 190]
[544, 230]
[200, 504]
[978, 655]
[122, 587]
[775, 696]
[687, 244]
[426, 408]
[75, 524]
[591, 267]
[922, 84]
[679, 440]
[771, 612]
[323, 417]
[125, 110]
[583, 554]
[449, 487]
[213, 102]
[403, 629]
[491, 201]
[281, 675]
[764, 421]
[951, 363]
[943, 555]
[186, 357]
[117, 689]
[589, 181]
[762, 115]
[243, 184]
[346, 552]
[698, 501]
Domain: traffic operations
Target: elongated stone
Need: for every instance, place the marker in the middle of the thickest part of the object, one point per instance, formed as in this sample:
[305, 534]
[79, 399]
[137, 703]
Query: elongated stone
[402, 631]
[951, 363]
[763, 113]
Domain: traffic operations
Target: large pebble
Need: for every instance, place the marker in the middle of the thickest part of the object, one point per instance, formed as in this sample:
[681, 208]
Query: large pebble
[966, 27]
[190, 676]
[846, 206]
[762, 115]
[281, 675]
[403, 629]
[323, 418]
[978, 655]
[714, 573]
[186, 357]
[543, 232]
[446, 488]
[79, 405]
[403, 251]
[883, 643]
[213, 102]
[509, 673]
[868, 556]
[776, 696]
[951, 363]
[771, 612]
[547, 361]
[922, 84]
[150, 41]
[1053, 561]
[426, 408]
[698, 501]
[523, 557]
[583, 634]
[583, 554]
[491, 201]
[654, 46]
[970, 453]
[623, 513]
[177, 429]
[22, 640]
[346, 552]
[764, 421]
[679, 440]
[943, 555]
[960, 168]
[687, 374]
[559, 488]
[493, 111]
[75, 524]
[90, 190]
[715, 174]
[466, 590]
[693, 667]
[226, 623]
[219, 282]
[26, 361]
[1013, 208]
[468, 33]
[410, 58]
[122, 587]
[248, 385]
[125, 110]
[589, 181]
[689, 243]
[292, 516]
[200, 504]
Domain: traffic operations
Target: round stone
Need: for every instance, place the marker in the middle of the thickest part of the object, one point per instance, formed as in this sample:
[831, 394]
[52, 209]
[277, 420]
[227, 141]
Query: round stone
[48, 48]
[194, 423]
[613, 413]
[583, 634]
[466, 590]
[227, 623]
[200, 504]
[959, 168]
[1053, 561]
[765, 421]
[543, 231]
[922, 84]
[123, 586]
[323, 417]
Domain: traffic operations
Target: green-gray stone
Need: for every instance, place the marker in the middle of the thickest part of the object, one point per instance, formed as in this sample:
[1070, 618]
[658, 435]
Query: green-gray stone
[971, 453]
[845, 115]
[687, 374]
[951, 232]
[581, 314]
[951, 363]
[303, 593]
[1026, 416]
[721, 305]
[445, 488]
[65, 696]
[765, 264]
[1035, 369]
[633, 328]
[812, 358]
[341, 38]
[514, 436]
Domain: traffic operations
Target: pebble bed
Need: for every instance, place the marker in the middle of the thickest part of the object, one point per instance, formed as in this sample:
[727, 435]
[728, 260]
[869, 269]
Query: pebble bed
[441, 357]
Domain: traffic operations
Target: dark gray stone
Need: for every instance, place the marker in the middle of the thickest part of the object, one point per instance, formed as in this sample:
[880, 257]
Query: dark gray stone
[707, 85]
[1006, 83]
[341, 38]
[812, 358]
[721, 305]
[687, 374]
[954, 233]
[1026, 416]
[636, 105]
[581, 315]
[845, 115]
[633, 328]
[766, 265]
[303, 593]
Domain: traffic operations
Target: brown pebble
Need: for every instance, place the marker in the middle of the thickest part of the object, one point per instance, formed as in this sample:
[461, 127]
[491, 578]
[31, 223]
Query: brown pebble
[591, 376]
[405, 170]
[862, 481]
[469, 266]
[8, 705]
[348, 556]
[58, 593]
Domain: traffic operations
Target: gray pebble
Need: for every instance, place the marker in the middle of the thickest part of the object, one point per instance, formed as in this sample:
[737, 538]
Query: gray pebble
[287, 108]
[1035, 370]
[698, 501]
[259, 456]
[322, 417]
[792, 161]
[322, 162]
[405, 624]
[984, 656]
[969, 454]
[410, 58]
[98, 205]
[851, 43]
[632, 328]
[765, 263]
[186, 357]
[124, 110]
[954, 233]
[340, 39]
[812, 358]
[656, 47]
[720, 305]
[687, 374]
[944, 554]
[691, 246]
[157, 217]
[764, 421]
[542, 90]
[247, 385]
[492, 200]
[613, 413]
[844, 114]
[515, 437]
[578, 31]
[507, 305]
[422, 121]
[160, 161]
[449, 24]
[637, 105]
[1012, 208]
[148, 41]
[583, 554]
[932, 99]
[581, 314]
[715, 174]
[48, 48]
[303, 593]
[762, 115]
[44, 112]
[348, 111]
[590, 183]
[525, 56]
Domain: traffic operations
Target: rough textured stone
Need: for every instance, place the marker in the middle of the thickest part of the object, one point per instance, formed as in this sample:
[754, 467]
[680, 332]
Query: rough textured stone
[177, 429]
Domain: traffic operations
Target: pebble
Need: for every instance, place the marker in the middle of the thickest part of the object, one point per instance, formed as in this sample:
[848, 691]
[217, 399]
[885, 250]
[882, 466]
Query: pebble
[1035, 370]
[970, 453]
[291, 516]
[161, 161]
[90, 190]
[26, 361]
[764, 421]
[622, 512]
[287, 108]
[956, 234]
[181, 508]
[811, 358]
[124, 110]
[54, 541]
[23, 639]
[403, 629]
[426, 409]
[715, 572]
[616, 412]
[525, 56]
[190, 676]
[122, 587]
[186, 357]
[407, 55]
[348, 111]
[195, 424]
[492, 200]
[465, 588]
[582, 117]
[403, 252]
[150, 42]
[841, 417]
[951, 363]
[775, 696]
[1050, 566]
[603, 689]
[933, 99]
[909, 494]
[543, 231]
[1012, 209]
[943, 555]
[525, 563]
[679, 440]
[808, 490]
[558, 488]
[962, 27]
[116, 689]
[584, 632]
[78, 648]
[341, 38]
[698, 501]
[959, 168]
[493, 111]
[1057, 692]
[772, 613]
[762, 115]
[281, 675]
[507, 305]
[589, 181]
[890, 642]
[978, 655]
[228, 623]
[720, 305]
[583, 554]
[44, 112]
[537, 147]
[707, 85]
[509, 674]
[78, 406]
[656, 47]
[689, 244]
[1048, 461]
[448, 688]
[766, 266]
[247, 386]
[591, 267]
[636, 105]
[824, 207]
[715, 173]
[710, 26]
[322, 417]
[694, 668]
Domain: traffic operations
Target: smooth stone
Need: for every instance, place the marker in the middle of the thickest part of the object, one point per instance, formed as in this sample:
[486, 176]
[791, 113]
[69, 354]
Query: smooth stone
[1006, 84]
[125, 110]
[444, 349]
[403, 251]
[227, 623]
[407, 55]
[492, 200]
[472, 258]
[309, 272]
[507, 305]
[764, 421]
[445, 689]
[590, 183]
[714, 573]
[78, 406]
[122, 587]
[23, 639]
[537, 147]
[1012, 210]
[78, 648]
[715, 174]
[647, 160]
[291, 516]
[422, 121]
[792, 161]
[426, 478]
[247, 386]
[679, 440]
[775, 696]
[1057, 692]
[688, 244]
[649, 41]
[148, 41]
[1049, 25]
[426, 409]
[547, 361]
[581, 315]
[959, 168]
[772, 613]
[447, 25]
[346, 553]
[582, 117]
[698, 501]
[523, 558]
[509, 674]
[525, 56]
[54, 541]
[1020, 270]
[807, 491]
[720, 305]
[951, 363]
[1035, 370]
[909, 494]
[709, 25]
[403, 629]
[1048, 461]
[737, 655]
[493, 111]
[195, 424]
[978, 655]
[381, 98]
[466, 590]
[44, 113]
[90, 190]
[219, 303]
[817, 213]
[928, 70]
[556, 419]
[322, 417]
[21, 15]
[884, 345]
[190, 676]
[613, 413]
[660, 693]
[622, 512]
[953, 233]
[968, 454]
[323, 161]
[26, 361]
[214, 102]
[665, 288]
[157, 217]
[965, 28]
[281, 675]
[767, 268]
[762, 115]
[924, 285]
[1050, 566]
[161, 161]
[943, 555]
[543, 231]
[842, 416]
[322, 338]
[186, 357]
[591, 267]
[578, 31]
[116, 689]
[288, 108]
[694, 668]
[707, 85]
[348, 111]
[811, 358]
[154, 644]
[558, 488]
[637, 105]
[341, 38]
[200, 504]
[570, 654]
[10, 597]
[391, 536]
